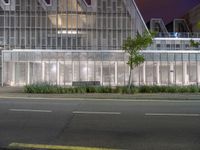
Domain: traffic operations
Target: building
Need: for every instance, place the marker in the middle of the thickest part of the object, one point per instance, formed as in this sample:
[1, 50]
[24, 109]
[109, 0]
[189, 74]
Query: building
[193, 18]
[63, 41]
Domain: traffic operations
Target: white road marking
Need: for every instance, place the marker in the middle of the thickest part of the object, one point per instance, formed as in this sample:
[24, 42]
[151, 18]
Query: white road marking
[172, 114]
[31, 110]
[97, 99]
[97, 113]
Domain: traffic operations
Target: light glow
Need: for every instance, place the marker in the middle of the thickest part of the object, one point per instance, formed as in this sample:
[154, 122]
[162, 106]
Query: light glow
[73, 32]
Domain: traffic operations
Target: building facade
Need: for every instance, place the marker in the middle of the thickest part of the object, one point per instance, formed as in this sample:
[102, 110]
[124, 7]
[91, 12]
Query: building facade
[62, 41]
[193, 17]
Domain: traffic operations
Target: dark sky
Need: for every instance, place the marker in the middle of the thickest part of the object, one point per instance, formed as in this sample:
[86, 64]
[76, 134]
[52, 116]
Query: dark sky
[166, 9]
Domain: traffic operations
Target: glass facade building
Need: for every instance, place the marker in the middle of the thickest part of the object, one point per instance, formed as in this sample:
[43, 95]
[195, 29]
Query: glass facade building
[62, 41]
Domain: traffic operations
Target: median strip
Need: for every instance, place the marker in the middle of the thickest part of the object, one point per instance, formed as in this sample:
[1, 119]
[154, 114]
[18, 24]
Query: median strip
[172, 114]
[53, 147]
[31, 110]
[96, 113]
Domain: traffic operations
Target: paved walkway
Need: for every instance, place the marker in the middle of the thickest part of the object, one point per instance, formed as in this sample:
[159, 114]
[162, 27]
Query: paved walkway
[17, 92]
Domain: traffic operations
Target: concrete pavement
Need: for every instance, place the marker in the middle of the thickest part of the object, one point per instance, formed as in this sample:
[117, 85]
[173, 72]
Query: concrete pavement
[17, 92]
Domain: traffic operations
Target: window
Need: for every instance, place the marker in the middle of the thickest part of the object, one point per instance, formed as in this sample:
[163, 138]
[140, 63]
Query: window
[88, 2]
[7, 2]
[48, 2]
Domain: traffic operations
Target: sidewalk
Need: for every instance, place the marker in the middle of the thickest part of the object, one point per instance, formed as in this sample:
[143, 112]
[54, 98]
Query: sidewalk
[17, 92]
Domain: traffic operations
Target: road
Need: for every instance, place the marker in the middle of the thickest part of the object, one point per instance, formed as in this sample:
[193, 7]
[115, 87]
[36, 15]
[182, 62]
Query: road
[134, 125]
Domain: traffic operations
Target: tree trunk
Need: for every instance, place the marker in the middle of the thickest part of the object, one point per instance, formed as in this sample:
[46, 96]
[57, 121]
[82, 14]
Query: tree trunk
[129, 80]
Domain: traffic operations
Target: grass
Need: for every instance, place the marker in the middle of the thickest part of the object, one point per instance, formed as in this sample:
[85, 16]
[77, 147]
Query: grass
[52, 147]
[44, 88]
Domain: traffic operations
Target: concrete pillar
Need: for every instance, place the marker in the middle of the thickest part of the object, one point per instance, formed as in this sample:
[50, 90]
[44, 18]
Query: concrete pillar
[58, 72]
[43, 71]
[171, 73]
[144, 73]
[185, 75]
[116, 73]
[28, 73]
[73, 71]
[158, 72]
[101, 73]
[198, 73]
[2, 73]
[13, 74]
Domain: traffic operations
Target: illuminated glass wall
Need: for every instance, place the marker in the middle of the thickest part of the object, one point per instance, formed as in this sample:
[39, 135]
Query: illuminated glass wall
[68, 24]
[111, 69]
[63, 41]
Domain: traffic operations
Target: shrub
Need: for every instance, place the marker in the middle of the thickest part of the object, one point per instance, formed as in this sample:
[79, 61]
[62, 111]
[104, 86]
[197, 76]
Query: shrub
[45, 88]
[194, 89]
[172, 89]
[183, 89]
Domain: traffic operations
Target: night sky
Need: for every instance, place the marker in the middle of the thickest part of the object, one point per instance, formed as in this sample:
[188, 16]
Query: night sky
[166, 9]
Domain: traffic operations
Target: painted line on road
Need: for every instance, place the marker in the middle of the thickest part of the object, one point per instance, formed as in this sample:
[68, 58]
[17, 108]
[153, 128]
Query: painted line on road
[103, 99]
[172, 114]
[30, 110]
[53, 147]
[96, 113]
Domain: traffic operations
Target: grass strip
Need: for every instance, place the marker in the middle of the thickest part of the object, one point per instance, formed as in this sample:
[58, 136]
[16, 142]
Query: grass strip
[53, 147]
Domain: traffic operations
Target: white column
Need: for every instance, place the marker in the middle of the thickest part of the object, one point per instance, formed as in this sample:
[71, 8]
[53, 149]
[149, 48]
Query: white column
[73, 71]
[115, 73]
[28, 73]
[101, 73]
[144, 73]
[198, 72]
[43, 71]
[58, 73]
[158, 73]
[171, 73]
[13, 74]
[185, 75]
[2, 70]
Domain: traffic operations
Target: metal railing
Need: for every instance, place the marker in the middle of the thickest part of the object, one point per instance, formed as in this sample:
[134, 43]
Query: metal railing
[178, 35]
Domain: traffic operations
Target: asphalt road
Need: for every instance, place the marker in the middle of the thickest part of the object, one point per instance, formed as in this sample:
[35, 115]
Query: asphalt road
[160, 125]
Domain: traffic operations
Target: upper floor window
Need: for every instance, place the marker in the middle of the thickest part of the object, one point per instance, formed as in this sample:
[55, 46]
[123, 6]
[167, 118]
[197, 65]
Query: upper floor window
[88, 2]
[48, 2]
[6, 1]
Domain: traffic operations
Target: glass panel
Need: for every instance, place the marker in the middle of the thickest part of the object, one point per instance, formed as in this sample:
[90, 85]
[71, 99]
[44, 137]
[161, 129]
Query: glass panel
[164, 72]
[90, 70]
[53, 72]
[141, 80]
[8, 74]
[108, 73]
[126, 74]
[192, 71]
[120, 73]
[76, 71]
[68, 73]
[135, 76]
[179, 73]
[46, 68]
[83, 71]
[98, 65]
[35, 72]
[61, 73]
[21, 73]
[172, 73]
[112, 73]
[149, 73]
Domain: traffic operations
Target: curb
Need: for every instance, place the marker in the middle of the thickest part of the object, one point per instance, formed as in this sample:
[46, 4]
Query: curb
[99, 97]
